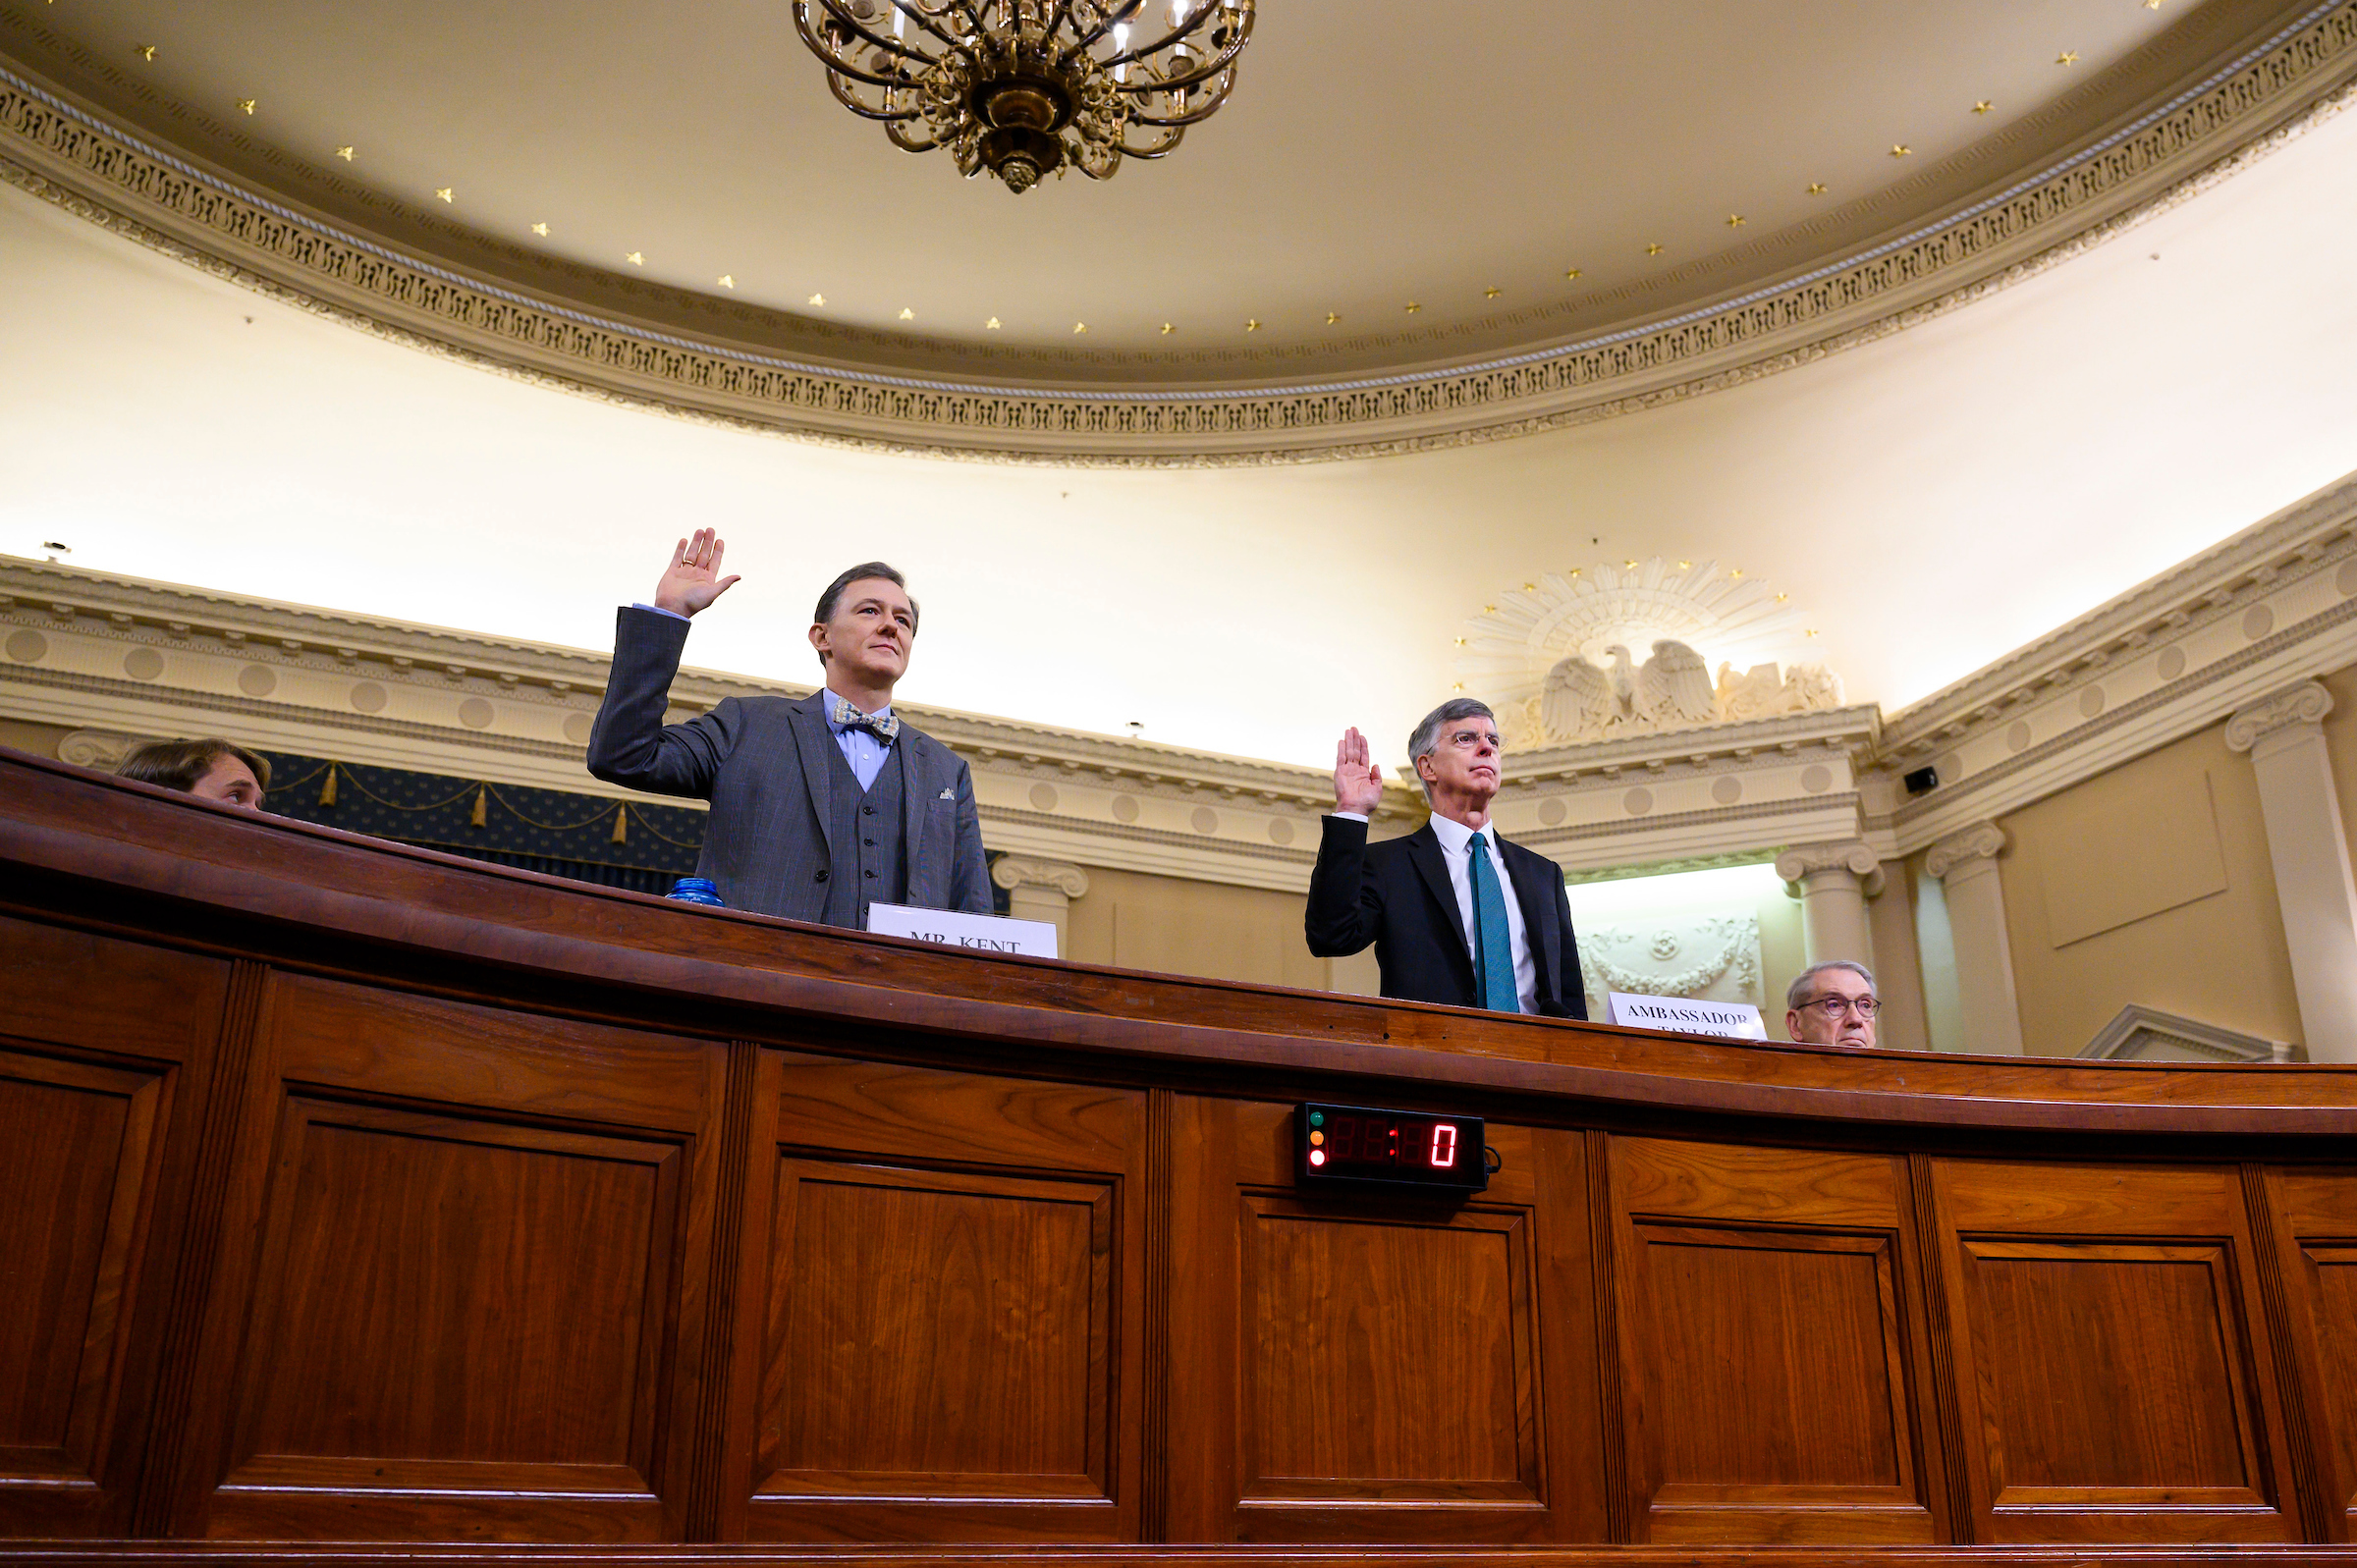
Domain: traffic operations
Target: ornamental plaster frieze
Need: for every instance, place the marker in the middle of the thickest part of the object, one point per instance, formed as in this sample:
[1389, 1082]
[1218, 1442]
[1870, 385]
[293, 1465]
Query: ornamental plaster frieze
[2275, 604]
[66, 153]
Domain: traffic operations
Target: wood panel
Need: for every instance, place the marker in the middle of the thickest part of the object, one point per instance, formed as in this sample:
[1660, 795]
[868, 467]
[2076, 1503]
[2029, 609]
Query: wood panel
[2110, 1346]
[460, 1291]
[100, 1041]
[1373, 1369]
[1771, 1343]
[951, 1342]
[2315, 1216]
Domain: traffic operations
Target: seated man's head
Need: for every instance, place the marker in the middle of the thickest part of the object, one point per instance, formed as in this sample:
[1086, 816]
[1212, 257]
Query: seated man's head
[209, 768]
[862, 628]
[1832, 1004]
[1456, 755]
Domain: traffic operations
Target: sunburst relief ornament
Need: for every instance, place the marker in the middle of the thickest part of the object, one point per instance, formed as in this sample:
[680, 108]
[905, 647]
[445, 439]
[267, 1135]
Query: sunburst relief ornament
[1026, 88]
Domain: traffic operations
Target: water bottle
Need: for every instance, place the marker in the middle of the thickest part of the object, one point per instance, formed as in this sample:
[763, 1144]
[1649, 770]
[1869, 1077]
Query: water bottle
[695, 890]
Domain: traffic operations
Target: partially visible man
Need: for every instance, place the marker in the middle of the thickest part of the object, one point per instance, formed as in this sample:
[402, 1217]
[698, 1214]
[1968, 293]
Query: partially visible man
[1457, 914]
[210, 769]
[822, 806]
[1832, 1004]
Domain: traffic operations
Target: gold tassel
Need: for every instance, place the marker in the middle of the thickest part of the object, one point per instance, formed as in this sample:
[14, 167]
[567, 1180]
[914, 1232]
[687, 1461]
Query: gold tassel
[327, 790]
[620, 813]
[482, 805]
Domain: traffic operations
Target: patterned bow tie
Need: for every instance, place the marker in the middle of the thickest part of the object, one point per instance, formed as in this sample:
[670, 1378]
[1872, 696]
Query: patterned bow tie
[883, 725]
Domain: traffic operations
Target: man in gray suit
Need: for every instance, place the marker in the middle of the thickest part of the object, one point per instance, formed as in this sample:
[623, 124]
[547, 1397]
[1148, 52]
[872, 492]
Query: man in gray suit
[819, 807]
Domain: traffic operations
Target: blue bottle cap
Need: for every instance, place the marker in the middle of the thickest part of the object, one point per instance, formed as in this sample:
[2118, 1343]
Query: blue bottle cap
[695, 890]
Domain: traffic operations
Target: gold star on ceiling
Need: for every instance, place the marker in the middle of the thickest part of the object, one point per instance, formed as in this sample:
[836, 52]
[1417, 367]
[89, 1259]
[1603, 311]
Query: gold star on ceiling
[1079, 326]
[2069, 57]
[1252, 325]
[907, 314]
[1413, 307]
[728, 281]
[145, 51]
[818, 299]
[1333, 317]
[1460, 642]
[1737, 571]
[1530, 588]
[1734, 220]
[1630, 564]
[540, 229]
[1816, 188]
[1167, 329]
[346, 153]
[636, 258]
[1899, 150]
[1489, 609]
[1571, 276]
[1654, 249]
[992, 325]
[1983, 107]
[1491, 292]
[246, 104]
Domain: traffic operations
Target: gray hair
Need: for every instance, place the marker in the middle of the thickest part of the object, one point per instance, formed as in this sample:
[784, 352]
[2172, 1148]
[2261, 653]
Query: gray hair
[1426, 738]
[1799, 991]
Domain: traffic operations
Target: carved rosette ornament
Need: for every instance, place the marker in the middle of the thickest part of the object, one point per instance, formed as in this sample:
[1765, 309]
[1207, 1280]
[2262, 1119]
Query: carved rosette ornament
[1601, 651]
[2305, 703]
[1982, 842]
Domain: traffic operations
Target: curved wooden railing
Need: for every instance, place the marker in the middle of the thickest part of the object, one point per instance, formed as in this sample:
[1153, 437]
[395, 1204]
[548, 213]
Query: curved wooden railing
[354, 1193]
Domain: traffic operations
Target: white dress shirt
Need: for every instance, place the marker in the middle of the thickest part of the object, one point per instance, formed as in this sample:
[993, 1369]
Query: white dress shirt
[1457, 845]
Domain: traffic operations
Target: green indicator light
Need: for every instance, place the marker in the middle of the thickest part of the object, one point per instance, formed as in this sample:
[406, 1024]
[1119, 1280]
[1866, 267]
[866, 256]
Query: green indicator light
[1317, 1118]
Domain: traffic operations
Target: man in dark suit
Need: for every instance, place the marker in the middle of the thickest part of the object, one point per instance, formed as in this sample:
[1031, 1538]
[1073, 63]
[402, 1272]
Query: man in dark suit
[819, 807]
[1457, 914]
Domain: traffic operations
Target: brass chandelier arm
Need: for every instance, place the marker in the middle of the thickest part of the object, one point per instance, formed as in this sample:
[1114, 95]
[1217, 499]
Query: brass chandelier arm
[844, 96]
[898, 134]
[834, 61]
[1211, 67]
[1191, 117]
[924, 20]
[1157, 150]
[1081, 40]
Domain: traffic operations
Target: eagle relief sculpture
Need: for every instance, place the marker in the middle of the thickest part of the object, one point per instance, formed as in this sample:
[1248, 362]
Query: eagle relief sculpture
[1557, 658]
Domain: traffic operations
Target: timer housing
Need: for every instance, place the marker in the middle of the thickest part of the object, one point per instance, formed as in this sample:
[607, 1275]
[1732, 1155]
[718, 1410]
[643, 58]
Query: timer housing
[1358, 1145]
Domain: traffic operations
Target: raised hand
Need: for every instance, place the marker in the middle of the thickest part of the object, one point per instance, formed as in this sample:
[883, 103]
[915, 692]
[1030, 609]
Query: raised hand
[1358, 783]
[692, 580]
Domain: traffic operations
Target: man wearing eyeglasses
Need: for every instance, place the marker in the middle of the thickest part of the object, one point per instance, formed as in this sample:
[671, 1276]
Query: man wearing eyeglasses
[1832, 1004]
[1457, 914]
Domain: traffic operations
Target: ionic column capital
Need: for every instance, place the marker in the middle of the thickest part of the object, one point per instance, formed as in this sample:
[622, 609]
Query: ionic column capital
[1803, 860]
[2306, 703]
[1982, 842]
[1024, 871]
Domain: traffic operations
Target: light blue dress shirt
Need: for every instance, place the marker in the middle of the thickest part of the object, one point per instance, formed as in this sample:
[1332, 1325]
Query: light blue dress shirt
[862, 751]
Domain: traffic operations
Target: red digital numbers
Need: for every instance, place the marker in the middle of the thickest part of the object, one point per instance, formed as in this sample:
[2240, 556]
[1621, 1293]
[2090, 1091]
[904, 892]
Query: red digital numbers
[1443, 1146]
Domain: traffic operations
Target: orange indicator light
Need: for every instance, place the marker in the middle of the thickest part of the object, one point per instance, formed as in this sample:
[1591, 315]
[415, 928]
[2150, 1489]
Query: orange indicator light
[1316, 1138]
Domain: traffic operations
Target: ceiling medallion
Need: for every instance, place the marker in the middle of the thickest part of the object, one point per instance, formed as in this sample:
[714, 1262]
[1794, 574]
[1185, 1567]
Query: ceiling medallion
[1026, 88]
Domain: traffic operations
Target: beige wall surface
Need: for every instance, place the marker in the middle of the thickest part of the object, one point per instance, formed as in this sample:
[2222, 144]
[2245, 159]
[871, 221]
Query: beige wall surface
[1138, 921]
[2148, 884]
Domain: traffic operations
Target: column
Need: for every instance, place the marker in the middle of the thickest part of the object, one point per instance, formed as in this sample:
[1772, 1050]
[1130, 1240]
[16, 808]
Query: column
[1966, 864]
[1835, 880]
[1041, 890]
[2285, 734]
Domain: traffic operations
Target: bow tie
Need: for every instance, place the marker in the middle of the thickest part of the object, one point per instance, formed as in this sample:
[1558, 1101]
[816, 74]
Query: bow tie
[883, 725]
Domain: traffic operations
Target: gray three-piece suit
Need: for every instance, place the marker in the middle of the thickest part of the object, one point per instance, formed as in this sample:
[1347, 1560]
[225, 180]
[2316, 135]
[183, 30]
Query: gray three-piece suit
[791, 832]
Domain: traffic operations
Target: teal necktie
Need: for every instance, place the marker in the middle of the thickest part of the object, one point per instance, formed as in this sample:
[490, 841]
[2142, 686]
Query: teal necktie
[1494, 972]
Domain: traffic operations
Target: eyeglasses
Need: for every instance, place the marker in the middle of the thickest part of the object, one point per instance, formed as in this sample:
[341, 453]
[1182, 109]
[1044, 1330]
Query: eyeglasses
[1834, 1006]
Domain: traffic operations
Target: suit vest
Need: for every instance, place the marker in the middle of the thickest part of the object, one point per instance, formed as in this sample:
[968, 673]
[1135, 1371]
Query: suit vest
[865, 831]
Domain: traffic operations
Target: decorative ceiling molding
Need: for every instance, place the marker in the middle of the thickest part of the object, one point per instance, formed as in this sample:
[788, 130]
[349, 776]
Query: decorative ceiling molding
[68, 153]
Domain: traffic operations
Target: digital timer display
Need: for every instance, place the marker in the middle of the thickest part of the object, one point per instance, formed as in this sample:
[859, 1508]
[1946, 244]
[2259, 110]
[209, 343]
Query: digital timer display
[1353, 1145]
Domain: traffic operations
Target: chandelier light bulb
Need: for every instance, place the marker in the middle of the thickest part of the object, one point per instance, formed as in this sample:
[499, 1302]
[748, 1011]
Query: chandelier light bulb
[1026, 88]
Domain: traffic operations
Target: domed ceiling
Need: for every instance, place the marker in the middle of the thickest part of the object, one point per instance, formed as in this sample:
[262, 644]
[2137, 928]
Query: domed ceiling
[1410, 225]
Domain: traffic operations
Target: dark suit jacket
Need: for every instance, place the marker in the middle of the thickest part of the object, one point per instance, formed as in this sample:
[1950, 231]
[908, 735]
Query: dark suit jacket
[1396, 895]
[767, 765]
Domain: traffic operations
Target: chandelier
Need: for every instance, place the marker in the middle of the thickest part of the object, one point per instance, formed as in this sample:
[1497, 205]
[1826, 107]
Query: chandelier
[1026, 88]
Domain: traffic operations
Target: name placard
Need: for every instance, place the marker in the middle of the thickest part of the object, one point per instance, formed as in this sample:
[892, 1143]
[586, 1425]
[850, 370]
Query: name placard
[952, 928]
[1736, 1020]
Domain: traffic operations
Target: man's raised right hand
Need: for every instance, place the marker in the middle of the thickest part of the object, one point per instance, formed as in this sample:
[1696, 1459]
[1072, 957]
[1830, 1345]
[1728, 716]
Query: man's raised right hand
[692, 580]
[1358, 783]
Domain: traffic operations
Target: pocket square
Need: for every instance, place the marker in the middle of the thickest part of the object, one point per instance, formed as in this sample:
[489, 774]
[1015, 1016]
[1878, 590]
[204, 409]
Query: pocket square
[946, 794]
